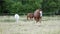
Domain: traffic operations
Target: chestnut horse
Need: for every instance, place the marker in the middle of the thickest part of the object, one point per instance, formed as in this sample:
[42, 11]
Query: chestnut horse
[30, 15]
[37, 15]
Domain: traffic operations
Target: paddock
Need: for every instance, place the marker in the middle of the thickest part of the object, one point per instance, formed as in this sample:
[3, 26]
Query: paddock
[49, 25]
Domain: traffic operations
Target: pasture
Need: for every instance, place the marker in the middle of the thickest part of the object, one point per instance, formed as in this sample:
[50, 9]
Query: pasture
[49, 25]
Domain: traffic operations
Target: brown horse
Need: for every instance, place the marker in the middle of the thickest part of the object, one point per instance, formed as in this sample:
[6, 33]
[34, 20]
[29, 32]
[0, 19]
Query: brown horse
[37, 16]
[30, 15]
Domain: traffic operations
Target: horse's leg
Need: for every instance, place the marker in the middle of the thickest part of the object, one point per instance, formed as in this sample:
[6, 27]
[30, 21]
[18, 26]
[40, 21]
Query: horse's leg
[37, 19]
[40, 19]
[31, 18]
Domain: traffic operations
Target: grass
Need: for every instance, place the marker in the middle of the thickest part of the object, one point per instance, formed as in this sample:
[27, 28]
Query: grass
[7, 20]
[49, 25]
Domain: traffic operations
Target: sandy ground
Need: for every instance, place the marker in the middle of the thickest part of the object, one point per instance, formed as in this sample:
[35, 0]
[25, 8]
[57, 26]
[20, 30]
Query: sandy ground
[49, 25]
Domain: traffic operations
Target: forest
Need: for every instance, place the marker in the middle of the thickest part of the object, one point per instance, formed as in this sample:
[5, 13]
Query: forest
[26, 6]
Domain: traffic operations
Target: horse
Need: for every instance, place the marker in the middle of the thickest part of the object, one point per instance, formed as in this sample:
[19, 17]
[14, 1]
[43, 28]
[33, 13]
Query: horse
[30, 15]
[38, 15]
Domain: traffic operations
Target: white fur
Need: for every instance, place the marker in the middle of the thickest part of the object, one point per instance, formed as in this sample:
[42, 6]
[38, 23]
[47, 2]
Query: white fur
[41, 13]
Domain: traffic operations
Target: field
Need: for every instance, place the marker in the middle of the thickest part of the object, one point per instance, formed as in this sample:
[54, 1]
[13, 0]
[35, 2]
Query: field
[49, 25]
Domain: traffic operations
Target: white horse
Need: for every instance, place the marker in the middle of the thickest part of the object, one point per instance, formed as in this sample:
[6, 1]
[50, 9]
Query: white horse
[16, 17]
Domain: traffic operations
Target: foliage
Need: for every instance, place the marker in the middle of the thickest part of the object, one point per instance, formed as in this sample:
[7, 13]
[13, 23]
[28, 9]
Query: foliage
[26, 6]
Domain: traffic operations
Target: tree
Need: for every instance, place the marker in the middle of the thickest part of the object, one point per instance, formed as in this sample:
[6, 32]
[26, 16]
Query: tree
[50, 6]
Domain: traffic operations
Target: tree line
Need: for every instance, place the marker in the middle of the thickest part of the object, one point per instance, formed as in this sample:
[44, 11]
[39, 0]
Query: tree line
[26, 6]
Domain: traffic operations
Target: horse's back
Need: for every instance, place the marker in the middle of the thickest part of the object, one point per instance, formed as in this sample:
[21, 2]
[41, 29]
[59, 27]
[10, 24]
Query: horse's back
[30, 14]
[36, 13]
